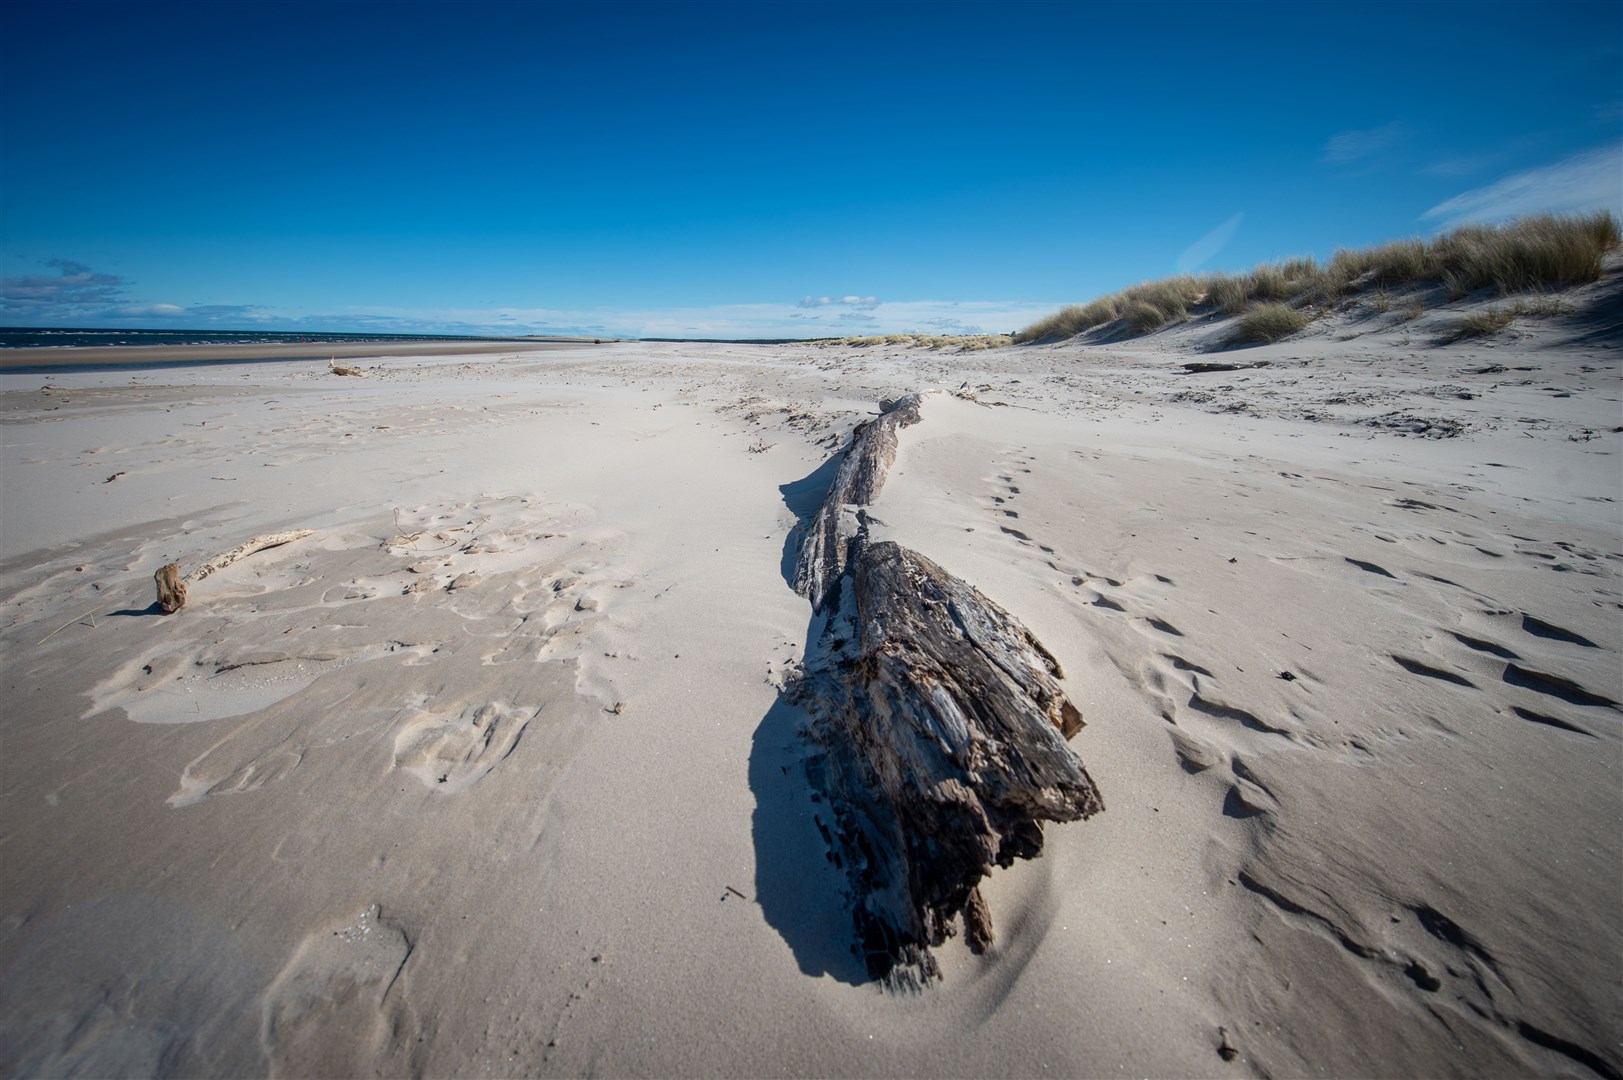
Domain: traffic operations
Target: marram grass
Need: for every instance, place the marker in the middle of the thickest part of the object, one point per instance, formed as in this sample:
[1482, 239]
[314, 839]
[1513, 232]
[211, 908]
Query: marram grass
[1267, 323]
[1540, 252]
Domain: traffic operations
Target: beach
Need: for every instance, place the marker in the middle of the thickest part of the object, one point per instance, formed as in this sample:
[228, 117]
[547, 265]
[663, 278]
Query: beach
[501, 772]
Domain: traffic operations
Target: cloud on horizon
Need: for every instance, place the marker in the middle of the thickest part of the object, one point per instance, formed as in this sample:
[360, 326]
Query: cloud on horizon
[1586, 181]
[731, 321]
[74, 291]
[79, 295]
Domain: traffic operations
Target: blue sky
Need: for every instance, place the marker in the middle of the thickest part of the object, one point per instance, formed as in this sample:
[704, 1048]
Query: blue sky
[755, 170]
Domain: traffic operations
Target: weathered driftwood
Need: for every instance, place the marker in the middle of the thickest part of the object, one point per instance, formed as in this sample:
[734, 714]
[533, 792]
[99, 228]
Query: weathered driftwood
[943, 735]
[172, 587]
[860, 476]
[242, 551]
[1201, 368]
[941, 726]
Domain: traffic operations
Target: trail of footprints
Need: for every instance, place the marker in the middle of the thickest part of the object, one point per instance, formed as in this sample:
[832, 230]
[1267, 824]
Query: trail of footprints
[1472, 644]
[1205, 731]
[1003, 503]
[1184, 693]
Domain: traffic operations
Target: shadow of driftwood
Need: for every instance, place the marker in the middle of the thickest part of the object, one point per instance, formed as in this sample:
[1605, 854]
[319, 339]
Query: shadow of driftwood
[150, 609]
[804, 497]
[801, 892]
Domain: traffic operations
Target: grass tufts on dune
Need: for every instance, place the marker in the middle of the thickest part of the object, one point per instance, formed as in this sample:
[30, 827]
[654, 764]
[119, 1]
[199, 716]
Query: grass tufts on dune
[1267, 323]
[1480, 324]
[1540, 252]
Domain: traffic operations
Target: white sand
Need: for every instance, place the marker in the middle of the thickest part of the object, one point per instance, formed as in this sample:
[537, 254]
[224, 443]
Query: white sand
[318, 823]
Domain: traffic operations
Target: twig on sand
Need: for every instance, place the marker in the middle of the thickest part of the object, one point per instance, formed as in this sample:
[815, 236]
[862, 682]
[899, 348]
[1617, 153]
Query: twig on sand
[400, 534]
[91, 614]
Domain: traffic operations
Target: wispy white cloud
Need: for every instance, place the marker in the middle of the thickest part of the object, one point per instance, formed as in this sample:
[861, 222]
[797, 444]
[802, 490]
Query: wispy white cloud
[741, 321]
[1350, 146]
[155, 311]
[1587, 181]
[863, 302]
[1207, 247]
[1464, 165]
[193, 317]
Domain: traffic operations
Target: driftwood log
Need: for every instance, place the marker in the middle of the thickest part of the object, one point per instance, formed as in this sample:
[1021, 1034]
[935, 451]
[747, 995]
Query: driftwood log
[172, 587]
[941, 727]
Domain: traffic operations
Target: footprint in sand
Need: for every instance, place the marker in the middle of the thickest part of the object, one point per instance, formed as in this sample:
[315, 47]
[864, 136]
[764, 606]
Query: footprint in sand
[340, 1001]
[453, 752]
[1539, 628]
[269, 768]
[1371, 568]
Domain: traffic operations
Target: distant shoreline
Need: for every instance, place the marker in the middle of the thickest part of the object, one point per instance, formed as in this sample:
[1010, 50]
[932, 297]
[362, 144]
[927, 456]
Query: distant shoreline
[57, 357]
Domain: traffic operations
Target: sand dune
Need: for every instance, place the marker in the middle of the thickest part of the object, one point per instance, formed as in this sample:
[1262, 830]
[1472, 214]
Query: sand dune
[500, 771]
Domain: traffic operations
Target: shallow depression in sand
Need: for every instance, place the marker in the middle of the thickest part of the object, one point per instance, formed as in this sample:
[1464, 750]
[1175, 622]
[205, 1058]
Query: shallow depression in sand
[194, 698]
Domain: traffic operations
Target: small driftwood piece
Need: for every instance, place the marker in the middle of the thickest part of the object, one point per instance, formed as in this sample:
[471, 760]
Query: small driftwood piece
[338, 369]
[172, 587]
[1202, 367]
[941, 726]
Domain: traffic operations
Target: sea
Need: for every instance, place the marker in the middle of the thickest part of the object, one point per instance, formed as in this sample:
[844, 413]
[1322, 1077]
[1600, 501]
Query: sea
[15, 337]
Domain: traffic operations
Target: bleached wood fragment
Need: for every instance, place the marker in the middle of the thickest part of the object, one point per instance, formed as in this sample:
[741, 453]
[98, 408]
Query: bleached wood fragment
[172, 587]
[242, 551]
